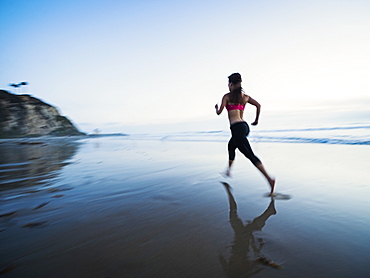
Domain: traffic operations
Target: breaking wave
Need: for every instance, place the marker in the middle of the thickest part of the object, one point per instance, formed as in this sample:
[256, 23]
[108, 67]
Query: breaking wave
[347, 135]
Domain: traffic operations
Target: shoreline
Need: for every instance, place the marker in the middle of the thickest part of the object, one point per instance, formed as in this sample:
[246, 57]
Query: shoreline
[107, 207]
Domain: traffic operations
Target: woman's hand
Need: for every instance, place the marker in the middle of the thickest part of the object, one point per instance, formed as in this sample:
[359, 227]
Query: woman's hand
[223, 104]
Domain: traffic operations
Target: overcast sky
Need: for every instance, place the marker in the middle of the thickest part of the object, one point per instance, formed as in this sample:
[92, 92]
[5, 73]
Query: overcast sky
[117, 65]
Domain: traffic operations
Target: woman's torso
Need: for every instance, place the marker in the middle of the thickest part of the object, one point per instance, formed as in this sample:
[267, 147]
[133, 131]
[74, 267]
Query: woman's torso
[237, 110]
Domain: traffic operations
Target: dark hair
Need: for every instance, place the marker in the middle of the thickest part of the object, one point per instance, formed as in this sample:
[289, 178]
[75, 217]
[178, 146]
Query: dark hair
[235, 95]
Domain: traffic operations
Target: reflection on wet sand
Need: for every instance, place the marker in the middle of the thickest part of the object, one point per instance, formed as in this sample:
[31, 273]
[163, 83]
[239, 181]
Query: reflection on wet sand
[246, 256]
[29, 163]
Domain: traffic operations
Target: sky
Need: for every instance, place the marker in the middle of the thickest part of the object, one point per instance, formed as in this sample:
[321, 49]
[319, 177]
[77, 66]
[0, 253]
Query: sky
[150, 66]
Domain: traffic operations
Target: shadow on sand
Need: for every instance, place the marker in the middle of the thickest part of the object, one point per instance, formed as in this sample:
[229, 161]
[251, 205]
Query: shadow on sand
[246, 258]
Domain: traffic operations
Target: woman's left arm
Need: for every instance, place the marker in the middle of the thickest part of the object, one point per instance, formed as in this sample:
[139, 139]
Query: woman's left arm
[258, 111]
[223, 104]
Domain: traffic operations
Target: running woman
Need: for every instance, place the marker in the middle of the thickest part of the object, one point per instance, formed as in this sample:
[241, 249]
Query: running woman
[235, 102]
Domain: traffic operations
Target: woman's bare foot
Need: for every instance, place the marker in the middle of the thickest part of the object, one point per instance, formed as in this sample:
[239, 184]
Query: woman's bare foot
[227, 173]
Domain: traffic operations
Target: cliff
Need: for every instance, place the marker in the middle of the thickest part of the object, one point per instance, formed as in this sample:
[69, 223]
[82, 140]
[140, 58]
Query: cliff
[24, 115]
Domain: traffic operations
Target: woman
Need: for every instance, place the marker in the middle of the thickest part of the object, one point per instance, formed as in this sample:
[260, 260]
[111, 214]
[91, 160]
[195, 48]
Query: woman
[235, 102]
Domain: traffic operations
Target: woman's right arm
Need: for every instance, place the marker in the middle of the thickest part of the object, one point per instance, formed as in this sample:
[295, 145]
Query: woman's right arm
[223, 104]
[258, 109]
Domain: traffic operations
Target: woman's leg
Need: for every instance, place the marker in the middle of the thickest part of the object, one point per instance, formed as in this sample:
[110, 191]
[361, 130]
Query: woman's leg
[231, 147]
[270, 180]
[246, 149]
[242, 143]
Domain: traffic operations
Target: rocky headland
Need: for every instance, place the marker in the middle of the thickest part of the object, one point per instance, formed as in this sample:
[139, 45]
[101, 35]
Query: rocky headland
[24, 116]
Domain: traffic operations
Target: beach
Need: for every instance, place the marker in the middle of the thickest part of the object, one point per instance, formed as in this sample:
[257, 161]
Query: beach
[124, 206]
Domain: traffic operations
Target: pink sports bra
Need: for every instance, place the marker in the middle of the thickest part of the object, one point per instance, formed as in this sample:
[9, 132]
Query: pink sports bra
[239, 106]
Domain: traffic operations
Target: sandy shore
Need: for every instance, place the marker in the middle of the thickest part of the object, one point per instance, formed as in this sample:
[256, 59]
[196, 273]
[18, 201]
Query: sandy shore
[115, 207]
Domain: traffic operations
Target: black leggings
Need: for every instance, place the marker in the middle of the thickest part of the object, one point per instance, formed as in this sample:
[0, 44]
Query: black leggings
[239, 133]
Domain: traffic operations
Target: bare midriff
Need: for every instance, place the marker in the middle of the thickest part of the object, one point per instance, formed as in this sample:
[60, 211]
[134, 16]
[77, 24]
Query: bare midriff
[235, 116]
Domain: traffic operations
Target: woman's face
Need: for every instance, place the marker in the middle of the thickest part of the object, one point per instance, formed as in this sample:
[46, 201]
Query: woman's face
[231, 86]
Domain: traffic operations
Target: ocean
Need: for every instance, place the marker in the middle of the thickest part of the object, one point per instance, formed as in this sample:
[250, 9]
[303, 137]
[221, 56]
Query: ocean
[155, 205]
[346, 135]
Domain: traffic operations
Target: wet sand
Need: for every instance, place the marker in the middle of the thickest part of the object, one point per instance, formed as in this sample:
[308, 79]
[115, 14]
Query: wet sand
[117, 207]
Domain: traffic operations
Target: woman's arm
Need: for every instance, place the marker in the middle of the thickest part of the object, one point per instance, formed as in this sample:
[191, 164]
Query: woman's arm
[258, 107]
[223, 104]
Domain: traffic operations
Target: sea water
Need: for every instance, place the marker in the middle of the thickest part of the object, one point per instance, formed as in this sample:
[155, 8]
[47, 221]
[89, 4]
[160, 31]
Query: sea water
[347, 135]
[141, 198]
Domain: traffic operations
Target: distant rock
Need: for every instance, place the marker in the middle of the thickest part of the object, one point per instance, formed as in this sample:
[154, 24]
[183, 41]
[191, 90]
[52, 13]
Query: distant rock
[24, 115]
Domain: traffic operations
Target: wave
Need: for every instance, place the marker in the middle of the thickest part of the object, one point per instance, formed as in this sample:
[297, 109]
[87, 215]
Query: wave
[342, 135]
[320, 128]
[351, 141]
